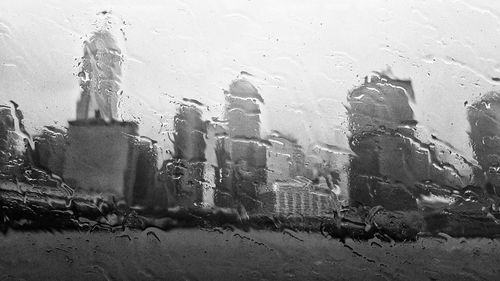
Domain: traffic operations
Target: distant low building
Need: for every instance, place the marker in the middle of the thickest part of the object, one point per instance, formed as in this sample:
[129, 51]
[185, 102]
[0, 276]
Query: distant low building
[183, 182]
[331, 165]
[300, 198]
[208, 185]
[285, 158]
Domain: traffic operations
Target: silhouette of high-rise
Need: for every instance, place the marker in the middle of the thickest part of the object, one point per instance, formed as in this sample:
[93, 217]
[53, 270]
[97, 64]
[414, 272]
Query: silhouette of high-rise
[381, 125]
[190, 132]
[223, 175]
[241, 154]
[243, 117]
[393, 165]
[215, 166]
[100, 77]
[100, 154]
[484, 120]
[184, 175]
[147, 191]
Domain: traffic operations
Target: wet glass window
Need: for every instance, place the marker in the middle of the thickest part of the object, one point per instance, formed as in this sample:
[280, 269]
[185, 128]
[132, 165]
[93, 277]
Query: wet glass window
[249, 140]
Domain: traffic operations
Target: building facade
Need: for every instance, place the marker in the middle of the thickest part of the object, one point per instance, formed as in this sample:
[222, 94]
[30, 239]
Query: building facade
[382, 125]
[240, 151]
[101, 158]
[484, 118]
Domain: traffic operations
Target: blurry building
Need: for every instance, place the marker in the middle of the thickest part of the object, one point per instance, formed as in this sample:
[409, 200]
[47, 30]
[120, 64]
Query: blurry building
[183, 181]
[299, 198]
[50, 149]
[13, 136]
[101, 157]
[147, 191]
[190, 132]
[330, 165]
[243, 120]
[100, 77]
[7, 128]
[395, 162]
[381, 124]
[484, 120]
[216, 162]
[241, 153]
[184, 175]
[15, 148]
[285, 158]
[208, 185]
[223, 167]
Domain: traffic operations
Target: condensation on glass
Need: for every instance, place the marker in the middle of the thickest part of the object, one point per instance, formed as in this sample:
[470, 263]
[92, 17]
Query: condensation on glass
[372, 122]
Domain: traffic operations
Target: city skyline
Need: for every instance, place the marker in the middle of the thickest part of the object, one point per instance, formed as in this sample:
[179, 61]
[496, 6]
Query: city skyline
[190, 114]
[387, 161]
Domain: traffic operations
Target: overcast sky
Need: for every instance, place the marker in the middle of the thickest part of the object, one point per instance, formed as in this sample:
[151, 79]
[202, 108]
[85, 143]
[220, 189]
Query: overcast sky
[304, 56]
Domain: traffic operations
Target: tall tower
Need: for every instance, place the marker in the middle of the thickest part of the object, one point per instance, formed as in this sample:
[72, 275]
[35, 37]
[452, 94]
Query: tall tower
[190, 131]
[241, 155]
[382, 126]
[100, 155]
[100, 77]
[395, 164]
[184, 175]
[243, 117]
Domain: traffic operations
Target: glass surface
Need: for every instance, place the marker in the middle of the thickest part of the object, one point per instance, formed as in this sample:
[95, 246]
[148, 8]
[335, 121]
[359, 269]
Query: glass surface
[254, 140]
